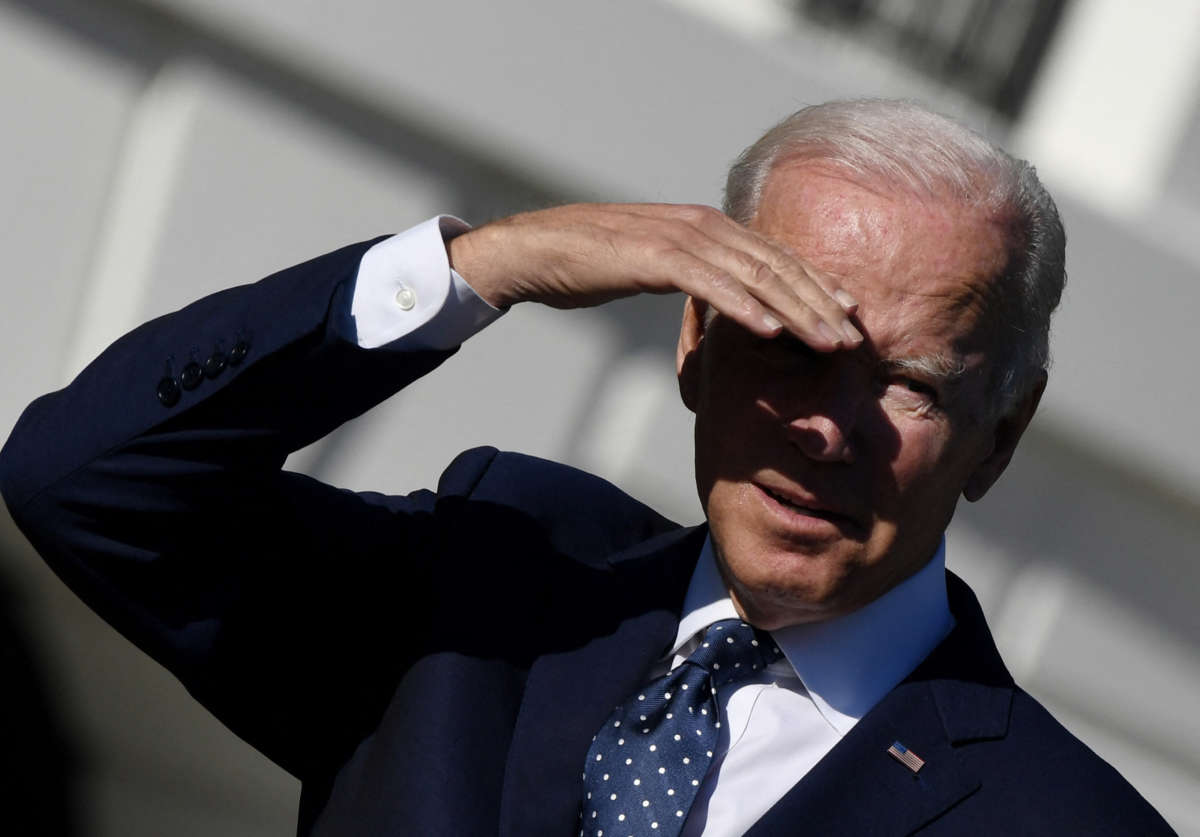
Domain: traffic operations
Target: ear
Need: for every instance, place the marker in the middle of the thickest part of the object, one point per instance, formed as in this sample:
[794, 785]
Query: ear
[1006, 434]
[687, 354]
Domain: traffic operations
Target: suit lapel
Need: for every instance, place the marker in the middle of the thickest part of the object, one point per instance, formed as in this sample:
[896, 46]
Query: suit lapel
[959, 695]
[569, 693]
[859, 789]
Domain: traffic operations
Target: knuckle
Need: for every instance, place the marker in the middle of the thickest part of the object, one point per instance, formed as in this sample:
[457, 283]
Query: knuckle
[758, 273]
[667, 252]
[663, 233]
[785, 264]
[694, 214]
[721, 283]
[780, 262]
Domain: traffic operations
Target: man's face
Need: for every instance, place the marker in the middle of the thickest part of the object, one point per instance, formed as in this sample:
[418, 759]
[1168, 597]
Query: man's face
[828, 478]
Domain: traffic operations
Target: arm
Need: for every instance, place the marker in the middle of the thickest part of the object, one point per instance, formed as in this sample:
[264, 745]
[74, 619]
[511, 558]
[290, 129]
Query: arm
[587, 254]
[176, 524]
[268, 594]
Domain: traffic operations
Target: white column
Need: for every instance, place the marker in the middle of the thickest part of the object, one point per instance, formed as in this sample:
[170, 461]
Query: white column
[1113, 99]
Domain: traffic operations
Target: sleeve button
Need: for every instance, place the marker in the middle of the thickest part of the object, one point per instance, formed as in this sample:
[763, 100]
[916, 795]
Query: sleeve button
[238, 353]
[191, 376]
[168, 392]
[215, 365]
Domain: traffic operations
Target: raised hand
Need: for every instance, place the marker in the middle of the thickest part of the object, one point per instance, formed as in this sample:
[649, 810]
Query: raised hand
[587, 254]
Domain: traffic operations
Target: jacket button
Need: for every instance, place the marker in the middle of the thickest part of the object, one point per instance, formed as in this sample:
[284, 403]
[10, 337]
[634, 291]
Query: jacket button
[191, 376]
[215, 365]
[238, 353]
[168, 392]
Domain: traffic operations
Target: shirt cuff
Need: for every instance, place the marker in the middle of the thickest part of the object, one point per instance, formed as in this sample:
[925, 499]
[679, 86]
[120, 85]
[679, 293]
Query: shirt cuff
[408, 298]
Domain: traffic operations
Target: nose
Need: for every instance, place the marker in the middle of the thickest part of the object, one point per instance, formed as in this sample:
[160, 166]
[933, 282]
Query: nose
[822, 420]
[821, 439]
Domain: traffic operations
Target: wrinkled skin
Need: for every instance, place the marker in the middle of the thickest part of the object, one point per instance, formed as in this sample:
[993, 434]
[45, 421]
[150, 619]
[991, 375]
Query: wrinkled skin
[827, 473]
[828, 478]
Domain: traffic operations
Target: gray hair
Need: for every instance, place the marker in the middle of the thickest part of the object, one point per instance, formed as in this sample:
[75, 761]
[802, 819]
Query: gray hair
[908, 147]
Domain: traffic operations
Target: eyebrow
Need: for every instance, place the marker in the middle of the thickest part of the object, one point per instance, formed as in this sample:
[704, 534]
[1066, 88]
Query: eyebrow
[948, 370]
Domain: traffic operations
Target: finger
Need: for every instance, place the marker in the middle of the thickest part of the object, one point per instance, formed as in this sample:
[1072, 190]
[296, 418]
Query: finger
[730, 297]
[799, 284]
[786, 261]
[799, 303]
[782, 283]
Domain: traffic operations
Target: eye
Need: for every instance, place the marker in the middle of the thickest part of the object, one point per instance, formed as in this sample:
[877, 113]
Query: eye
[919, 387]
[907, 392]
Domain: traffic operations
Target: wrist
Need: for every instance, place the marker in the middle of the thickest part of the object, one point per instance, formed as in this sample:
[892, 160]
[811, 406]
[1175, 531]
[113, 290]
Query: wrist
[474, 256]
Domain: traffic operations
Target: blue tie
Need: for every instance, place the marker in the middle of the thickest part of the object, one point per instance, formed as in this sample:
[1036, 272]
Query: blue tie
[646, 764]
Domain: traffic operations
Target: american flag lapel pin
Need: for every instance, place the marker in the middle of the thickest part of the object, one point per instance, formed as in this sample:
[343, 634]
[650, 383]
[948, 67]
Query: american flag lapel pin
[906, 756]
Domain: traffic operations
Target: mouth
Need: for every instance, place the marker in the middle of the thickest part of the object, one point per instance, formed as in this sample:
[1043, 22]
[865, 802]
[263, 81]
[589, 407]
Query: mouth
[797, 509]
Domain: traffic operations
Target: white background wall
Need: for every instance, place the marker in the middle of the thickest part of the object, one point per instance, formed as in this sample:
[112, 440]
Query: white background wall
[155, 150]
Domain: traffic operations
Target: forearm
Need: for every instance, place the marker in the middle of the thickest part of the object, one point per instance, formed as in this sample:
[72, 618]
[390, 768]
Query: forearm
[116, 399]
[174, 521]
[104, 470]
[278, 363]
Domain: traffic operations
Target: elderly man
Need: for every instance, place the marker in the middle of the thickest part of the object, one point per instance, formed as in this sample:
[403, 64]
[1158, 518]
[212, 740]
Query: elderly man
[527, 650]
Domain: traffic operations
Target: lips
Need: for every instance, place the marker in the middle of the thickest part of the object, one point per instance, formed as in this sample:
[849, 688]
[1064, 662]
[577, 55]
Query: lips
[810, 507]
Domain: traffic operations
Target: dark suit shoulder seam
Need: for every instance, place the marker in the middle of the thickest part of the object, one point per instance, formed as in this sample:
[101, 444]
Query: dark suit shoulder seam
[475, 482]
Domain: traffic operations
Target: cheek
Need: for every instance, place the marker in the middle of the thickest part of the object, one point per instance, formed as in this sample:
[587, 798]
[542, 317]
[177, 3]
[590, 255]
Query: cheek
[918, 456]
[929, 475]
[733, 421]
[922, 463]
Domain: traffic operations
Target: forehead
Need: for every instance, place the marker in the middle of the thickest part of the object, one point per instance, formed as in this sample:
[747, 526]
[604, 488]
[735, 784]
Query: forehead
[921, 269]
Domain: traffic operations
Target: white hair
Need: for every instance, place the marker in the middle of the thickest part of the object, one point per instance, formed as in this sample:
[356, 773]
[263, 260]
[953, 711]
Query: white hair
[908, 147]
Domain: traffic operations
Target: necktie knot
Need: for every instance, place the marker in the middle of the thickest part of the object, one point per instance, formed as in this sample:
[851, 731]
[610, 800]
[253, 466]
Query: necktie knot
[647, 762]
[730, 650]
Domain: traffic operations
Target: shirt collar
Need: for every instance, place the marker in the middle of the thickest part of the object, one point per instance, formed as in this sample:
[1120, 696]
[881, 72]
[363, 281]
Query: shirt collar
[849, 663]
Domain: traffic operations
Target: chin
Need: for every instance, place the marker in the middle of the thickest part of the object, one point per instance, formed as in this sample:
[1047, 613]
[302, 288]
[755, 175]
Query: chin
[782, 586]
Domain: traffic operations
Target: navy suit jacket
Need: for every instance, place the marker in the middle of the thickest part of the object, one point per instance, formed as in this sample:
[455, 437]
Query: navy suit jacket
[438, 663]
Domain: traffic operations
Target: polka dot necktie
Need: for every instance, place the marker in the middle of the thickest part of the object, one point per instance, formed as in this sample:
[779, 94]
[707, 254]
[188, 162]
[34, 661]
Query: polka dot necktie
[646, 764]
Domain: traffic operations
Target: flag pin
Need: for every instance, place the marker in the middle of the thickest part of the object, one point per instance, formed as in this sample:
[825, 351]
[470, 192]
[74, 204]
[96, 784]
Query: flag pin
[906, 756]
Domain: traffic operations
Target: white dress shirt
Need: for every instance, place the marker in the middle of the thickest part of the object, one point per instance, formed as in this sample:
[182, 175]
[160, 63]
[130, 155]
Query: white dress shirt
[778, 725]
[406, 296]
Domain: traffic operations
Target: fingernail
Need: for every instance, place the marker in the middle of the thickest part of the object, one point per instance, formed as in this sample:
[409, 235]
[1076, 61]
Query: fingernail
[771, 322]
[848, 302]
[854, 335]
[829, 334]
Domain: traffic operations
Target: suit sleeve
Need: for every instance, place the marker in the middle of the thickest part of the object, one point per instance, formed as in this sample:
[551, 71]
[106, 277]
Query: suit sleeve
[267, 593]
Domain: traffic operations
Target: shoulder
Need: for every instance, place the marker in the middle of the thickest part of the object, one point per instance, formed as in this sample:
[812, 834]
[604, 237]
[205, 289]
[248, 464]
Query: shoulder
[578, 513]
[1035, 776]
[1073, 781]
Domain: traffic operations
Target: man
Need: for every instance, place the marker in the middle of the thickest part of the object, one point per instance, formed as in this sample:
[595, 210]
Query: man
[864, 339]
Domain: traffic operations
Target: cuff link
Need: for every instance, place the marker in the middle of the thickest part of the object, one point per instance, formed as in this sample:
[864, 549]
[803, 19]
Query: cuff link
[406, 298]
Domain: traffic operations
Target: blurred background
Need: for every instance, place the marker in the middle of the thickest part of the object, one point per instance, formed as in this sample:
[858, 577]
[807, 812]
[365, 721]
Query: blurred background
[157, 150]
